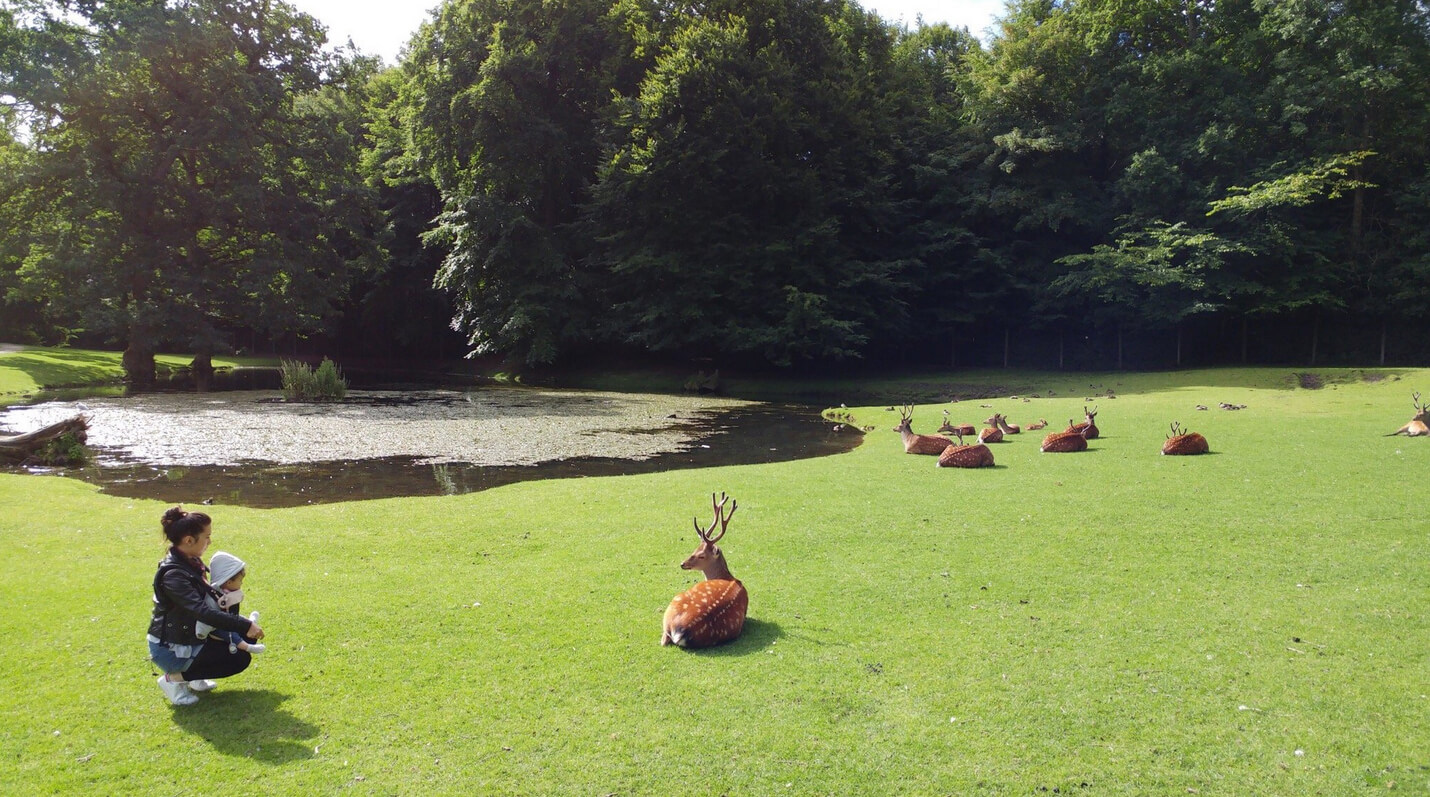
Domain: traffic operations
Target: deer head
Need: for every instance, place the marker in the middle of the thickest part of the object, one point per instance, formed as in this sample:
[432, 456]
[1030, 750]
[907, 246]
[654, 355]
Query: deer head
[1089, 413]
[906, 420]
[994, 420]
[708, 558]
[1422, 411]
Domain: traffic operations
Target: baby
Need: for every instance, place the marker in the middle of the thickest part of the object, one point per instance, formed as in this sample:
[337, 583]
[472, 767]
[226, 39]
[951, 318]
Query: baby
[226, 573]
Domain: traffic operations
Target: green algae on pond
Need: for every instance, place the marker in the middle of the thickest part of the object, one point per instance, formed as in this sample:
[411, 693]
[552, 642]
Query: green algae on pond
[252, 448]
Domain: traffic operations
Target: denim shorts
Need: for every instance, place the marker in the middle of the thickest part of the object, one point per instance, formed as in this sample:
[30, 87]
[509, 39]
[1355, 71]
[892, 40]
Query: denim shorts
[169, 660]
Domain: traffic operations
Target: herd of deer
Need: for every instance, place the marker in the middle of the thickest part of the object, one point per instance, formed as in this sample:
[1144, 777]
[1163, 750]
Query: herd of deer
[713, 611]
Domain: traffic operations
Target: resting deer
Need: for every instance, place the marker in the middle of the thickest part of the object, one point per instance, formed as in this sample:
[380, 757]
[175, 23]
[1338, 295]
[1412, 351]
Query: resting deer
[992, 434]
[1183, 443]
[1088, 424]
[1001, 421]
[1041, 424]
[932, 445]
[966, 456]
[1065, 442]
[1418, 425]
[713, 611]
[965, 429]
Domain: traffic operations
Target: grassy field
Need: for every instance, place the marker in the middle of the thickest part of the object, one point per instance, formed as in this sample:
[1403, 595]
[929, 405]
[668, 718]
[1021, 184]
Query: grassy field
[1255, 621]
[35, 368]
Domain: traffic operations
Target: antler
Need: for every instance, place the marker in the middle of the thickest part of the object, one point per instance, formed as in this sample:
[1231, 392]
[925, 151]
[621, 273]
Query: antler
[1176, 430]
[721, 519]
[906, 413]
[1416, 399]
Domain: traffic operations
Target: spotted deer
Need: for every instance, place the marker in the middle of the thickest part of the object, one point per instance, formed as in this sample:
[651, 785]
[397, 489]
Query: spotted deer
[713, 611]
[1065, 442]
[932, 445]
[1419, 426]
[1001, 421]
[959, 455]
[965, 429]
[1088, 424]
[1041, 424]
[1183, 443]
[993, 434]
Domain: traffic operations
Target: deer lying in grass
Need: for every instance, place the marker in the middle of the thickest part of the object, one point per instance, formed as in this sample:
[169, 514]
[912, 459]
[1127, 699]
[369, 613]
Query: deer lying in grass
[1419, 426]
[966, 456]
[712, 611]
[1184, 443]
[1001, 421]
[1065, 442]
[965, 429]
[1088, 424]
[993, 434]
[932, 445]
[1041, 424]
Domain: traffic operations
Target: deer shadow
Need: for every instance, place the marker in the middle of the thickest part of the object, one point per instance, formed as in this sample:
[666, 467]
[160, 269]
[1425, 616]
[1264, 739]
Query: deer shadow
[249, 723]
[757, 636]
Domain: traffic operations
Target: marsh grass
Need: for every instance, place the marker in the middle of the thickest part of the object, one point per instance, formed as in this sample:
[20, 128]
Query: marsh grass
[1254, 621]
[303, 382]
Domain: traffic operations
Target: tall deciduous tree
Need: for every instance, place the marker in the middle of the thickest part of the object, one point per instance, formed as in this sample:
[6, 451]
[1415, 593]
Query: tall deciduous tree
[190, 179]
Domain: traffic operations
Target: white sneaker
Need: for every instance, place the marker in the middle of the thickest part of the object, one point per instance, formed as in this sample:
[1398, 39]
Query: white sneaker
[202, 685]
[256, 648]
[177, 692]
[253, 617]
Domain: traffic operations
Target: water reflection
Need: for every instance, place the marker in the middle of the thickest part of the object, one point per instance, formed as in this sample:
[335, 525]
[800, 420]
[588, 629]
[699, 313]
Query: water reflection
[250, 448]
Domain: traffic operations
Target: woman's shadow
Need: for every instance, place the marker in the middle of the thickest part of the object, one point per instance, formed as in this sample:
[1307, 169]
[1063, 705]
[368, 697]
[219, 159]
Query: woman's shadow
[249, 723]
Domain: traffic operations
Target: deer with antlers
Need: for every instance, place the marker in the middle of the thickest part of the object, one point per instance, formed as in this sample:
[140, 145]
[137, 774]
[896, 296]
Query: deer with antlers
[959, 455]
[1065, 442]
[1001, 421]
[1089, 425]
[1041, 424]
[1419, 426]
[1183, 443]
[965, 429]
[918, 443]
[713, 611]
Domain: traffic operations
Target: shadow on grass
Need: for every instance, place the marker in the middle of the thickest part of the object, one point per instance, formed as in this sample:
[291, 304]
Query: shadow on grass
[756, 637]
[249, 723]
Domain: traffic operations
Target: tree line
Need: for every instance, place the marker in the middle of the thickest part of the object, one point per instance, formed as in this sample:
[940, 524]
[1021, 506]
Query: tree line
[1103, 183]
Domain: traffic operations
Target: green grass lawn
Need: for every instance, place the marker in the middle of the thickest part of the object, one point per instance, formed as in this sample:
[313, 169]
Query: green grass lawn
[35, 368]
[1255, 621]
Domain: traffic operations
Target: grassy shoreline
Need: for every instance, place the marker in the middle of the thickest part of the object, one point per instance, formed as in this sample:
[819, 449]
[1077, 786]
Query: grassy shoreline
[1256, 621]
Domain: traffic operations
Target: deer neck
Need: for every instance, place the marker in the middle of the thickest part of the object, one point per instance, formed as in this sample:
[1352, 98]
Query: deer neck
[717, 569]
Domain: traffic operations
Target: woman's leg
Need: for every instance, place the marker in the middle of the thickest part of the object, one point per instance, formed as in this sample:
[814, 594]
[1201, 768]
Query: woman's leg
[214, 661]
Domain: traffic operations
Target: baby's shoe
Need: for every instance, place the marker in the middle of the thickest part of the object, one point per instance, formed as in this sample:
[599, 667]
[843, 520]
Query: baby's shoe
[256, 648]
[253, 617]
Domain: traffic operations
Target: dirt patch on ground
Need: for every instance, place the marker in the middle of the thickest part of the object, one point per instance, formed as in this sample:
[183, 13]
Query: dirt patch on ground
[1373, 377]
[1310, 381]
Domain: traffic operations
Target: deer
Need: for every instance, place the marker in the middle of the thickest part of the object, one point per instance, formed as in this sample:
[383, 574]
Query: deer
[1419, 426]
[992, 434]
[965, 429]
[959, 455]
[932, 445]
[1184, 443]
[1065, 442]
[1001, 421]
[1088, 424]
[1041, 424]
[713, 611]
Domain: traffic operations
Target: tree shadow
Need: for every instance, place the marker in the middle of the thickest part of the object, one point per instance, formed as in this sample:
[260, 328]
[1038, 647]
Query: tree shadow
[756, 638]
[249, 723]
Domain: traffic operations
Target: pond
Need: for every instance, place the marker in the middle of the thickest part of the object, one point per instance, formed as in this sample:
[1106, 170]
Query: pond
[252, 448]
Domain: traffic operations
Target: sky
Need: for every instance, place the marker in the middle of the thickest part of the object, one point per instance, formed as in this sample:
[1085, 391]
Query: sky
[382, 27]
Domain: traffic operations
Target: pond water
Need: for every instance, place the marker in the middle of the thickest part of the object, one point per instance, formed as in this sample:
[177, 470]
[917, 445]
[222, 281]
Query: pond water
[252, 448]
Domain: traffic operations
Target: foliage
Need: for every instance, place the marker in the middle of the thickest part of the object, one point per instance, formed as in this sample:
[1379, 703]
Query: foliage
[301, 382]
[1139, 623]
[65, 450]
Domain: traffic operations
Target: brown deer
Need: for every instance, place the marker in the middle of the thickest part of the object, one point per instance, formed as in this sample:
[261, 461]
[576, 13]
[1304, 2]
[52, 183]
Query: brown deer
[713, 611]
[1041, 424]
[1088, 424]
[1419, 426]
[966, 456]
[1065, 442]
[1183, 443]
[965, 429]
[1001, 421]
[932, 445]
[992, 434]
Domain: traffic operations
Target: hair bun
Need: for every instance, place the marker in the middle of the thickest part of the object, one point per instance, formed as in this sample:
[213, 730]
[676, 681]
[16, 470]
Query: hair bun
[174, 514]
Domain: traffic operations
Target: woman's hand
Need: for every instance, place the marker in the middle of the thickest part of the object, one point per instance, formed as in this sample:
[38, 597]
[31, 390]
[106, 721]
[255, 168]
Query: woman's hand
[254, 632]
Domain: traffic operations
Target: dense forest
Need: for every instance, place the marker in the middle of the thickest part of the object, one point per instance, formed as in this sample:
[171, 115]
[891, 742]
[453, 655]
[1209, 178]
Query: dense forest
[792, 183]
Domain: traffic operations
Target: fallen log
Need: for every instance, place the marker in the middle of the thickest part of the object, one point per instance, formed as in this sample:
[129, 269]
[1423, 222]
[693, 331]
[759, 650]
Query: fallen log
[21, 448]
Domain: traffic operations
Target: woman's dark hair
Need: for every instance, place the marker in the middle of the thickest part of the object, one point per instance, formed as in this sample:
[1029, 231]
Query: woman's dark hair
[179, 524]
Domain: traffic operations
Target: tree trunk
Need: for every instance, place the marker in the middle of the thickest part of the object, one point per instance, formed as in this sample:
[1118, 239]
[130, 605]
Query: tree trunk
[1005, 347]
[21, 447]
[1315, 337]
[1061, 336]
[203, 368]
[952, 349]
[1383, 325]
[138, 360]
[1243, 340]
[1119, 347]
[1179, 344]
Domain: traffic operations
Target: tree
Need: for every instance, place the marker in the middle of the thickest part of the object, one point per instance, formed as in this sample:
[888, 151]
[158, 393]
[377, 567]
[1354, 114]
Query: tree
[188, 178]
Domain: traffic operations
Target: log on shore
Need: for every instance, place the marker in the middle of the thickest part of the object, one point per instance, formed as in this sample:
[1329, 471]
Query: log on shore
[20, 447]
